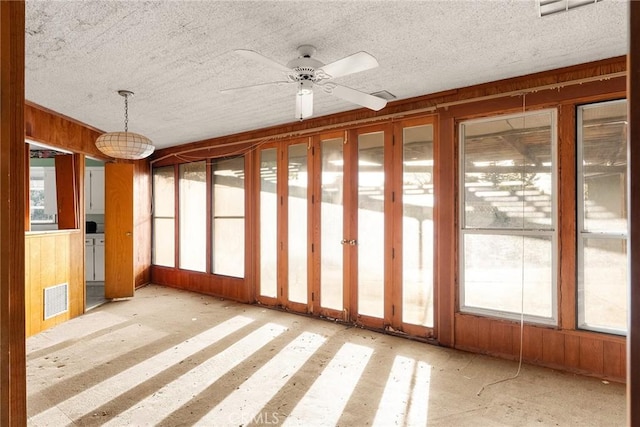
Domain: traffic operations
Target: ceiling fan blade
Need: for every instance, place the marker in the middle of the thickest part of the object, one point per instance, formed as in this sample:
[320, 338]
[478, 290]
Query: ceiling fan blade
[255, 56]
[370, 101]
[355, 63]
[231, 89]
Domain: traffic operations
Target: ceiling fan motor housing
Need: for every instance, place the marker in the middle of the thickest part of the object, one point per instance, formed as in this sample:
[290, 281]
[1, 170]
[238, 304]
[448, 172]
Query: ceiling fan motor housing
[304, 66]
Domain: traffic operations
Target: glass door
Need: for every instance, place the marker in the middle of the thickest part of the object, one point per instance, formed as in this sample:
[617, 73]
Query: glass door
[371, 245]
[328, 253]
[296, 289]
[413, 305]
[268, 215]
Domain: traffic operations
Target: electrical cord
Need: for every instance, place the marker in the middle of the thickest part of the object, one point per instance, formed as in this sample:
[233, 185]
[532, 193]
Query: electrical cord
[513, 377]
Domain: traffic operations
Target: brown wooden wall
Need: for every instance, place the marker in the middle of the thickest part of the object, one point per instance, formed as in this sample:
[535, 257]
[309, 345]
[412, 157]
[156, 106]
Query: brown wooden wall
[51, 259]
[142, 222]
[561, 346]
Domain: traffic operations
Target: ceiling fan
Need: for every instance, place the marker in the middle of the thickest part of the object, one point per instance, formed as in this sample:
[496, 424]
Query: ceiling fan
[307, 73]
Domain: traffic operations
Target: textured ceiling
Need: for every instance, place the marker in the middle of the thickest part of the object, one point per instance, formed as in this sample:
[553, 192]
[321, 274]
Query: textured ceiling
[177, 55]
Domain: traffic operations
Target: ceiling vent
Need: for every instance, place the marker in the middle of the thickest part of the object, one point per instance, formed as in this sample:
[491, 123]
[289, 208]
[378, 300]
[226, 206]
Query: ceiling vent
[549, 7]
[384, 95]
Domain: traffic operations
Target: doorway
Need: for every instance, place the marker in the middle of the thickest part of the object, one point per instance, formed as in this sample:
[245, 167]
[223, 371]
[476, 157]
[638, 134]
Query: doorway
[346, 226]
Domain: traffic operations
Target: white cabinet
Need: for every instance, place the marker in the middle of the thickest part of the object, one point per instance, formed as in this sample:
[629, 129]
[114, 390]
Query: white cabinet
[98, 259]
[94, 258]
[94, 190]
[88, 260]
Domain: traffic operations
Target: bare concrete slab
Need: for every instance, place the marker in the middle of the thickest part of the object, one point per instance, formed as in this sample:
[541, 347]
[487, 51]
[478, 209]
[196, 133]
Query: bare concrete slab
[174, 358]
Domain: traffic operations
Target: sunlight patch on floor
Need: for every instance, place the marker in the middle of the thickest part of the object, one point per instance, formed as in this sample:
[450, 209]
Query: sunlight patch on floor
[325, 401]
[173, 395]
[244, 405]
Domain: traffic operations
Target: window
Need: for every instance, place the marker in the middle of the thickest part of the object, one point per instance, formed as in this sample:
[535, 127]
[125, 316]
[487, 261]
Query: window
[193, 216]
[164, 216]
[602, 217]
[507, 216]
[228, 217]
[42, 192]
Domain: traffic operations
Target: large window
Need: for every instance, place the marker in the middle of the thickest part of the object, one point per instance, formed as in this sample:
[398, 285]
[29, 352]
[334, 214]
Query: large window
[193, 216]
[602, 217]
[164, 216]
[507, 216]
[228, 217]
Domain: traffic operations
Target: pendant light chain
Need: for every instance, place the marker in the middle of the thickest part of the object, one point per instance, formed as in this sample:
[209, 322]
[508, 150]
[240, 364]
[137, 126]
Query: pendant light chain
[126, 113]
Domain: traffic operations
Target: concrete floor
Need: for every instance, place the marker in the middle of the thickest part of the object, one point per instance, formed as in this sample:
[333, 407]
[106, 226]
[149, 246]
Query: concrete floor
[172, 358]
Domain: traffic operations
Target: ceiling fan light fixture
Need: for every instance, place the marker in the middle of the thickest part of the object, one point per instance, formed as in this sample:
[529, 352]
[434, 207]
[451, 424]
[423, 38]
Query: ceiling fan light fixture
[304, 99]
[125, 145]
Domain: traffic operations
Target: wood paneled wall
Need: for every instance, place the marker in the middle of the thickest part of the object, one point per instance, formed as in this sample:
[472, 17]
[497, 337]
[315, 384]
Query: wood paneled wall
[633, 348]
[51, 259]
[560, 347]
[142, 222]
[13, 408]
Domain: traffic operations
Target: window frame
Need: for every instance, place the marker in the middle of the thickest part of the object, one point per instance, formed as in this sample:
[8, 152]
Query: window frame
[582, 234]
[551, 231]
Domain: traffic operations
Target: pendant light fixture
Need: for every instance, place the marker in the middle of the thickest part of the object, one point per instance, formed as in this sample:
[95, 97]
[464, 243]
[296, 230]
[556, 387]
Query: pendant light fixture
[125, 145]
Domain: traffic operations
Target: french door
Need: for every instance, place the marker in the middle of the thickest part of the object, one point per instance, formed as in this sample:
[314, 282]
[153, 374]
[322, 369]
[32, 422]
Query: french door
[346, 226]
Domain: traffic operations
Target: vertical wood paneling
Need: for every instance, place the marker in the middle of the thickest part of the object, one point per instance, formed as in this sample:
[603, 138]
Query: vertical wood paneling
[466, 332]
[142, 222]
[633, 342]
[484, 333]
[567, 216]
[552, 347]
[445, 169]
[613, 359]
[13, 411]
[51, 260]
[532, 343]
[591, 355]
[501, 338]
[572, 351]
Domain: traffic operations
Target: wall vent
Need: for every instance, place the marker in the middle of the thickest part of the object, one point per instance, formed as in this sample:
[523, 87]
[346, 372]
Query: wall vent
[56, 300]
[548, 7]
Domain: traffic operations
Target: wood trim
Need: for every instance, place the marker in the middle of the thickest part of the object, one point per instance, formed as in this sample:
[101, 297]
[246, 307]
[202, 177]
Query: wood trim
[633, 168]
[209, 216]
[251, 173]
[566, 217]
[13, 393]
[58, 131]
[27, 189]
[445, 226]
[407, 107]
[66, 192]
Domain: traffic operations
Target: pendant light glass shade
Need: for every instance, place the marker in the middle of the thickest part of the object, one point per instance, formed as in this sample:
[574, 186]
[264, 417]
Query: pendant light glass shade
[125, 145]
